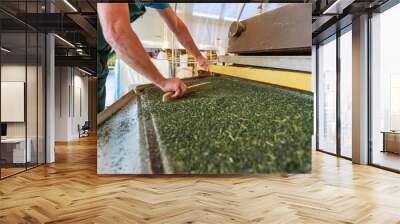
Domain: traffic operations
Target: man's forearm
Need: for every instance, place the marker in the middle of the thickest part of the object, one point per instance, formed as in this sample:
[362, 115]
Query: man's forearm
[180, 30]
[133, 53]
[185, 38]
[119, 34]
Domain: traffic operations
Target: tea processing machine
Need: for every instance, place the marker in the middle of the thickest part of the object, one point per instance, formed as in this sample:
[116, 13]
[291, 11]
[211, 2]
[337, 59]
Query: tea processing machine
[272, 48]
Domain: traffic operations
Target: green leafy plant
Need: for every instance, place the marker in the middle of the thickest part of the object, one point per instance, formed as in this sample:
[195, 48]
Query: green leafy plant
[234, 126]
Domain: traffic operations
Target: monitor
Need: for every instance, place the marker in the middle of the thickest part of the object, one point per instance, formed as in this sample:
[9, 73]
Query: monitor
[3, 129]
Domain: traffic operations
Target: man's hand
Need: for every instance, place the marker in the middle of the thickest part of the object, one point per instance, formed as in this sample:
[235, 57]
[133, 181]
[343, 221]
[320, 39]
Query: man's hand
[203, 62]
[182, 33]
[117, 30]
[174, 85]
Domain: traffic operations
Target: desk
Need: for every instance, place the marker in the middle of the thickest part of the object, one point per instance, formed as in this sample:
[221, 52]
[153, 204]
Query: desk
[16, 147]
[391, 141]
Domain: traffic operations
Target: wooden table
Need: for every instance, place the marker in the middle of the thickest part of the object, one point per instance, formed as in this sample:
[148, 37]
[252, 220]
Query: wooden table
[391, 141]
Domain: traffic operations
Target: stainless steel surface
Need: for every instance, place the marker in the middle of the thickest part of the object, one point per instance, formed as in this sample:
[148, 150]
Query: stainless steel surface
[120, 146]
[296, 63]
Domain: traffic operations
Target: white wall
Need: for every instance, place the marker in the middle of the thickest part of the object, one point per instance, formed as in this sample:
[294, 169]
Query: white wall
[61, 103]
[33, 127]
[80, 103]
[12, 73]
[70, 84]
[16, 72]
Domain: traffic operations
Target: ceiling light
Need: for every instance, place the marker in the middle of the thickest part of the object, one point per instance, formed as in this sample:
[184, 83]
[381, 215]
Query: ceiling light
[5, 50]
[84, 71]
[64, 40]
[70, 5]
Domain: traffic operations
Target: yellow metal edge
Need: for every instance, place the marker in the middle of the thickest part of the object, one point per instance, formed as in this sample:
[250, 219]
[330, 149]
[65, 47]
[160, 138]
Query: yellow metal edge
[291, 79]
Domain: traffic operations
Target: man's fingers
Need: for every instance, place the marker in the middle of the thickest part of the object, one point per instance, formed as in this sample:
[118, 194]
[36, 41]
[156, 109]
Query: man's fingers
[176, 86]
[183, 88]
[176, 93]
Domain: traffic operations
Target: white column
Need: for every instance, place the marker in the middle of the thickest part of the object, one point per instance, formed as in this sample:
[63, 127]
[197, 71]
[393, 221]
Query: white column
[314, 88]
[50, 94]
[360, 90]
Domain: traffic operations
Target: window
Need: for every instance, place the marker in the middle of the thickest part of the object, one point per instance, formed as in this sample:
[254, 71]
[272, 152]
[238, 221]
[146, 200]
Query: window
[385, 89]
[231, 11]
[346, 93]
[210, 10]
[327, 96]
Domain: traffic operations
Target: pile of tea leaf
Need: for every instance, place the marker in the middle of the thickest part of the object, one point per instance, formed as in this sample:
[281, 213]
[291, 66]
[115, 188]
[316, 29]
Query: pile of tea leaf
[233, 126]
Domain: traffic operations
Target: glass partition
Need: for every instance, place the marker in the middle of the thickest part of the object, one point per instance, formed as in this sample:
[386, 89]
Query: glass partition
[327, 95]
[31, 98]
[346, 93]
[385, 89]
[22, 88]
[14, 153]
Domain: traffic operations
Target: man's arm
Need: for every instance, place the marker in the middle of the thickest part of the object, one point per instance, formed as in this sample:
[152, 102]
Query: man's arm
[180, 30]
[114, 20]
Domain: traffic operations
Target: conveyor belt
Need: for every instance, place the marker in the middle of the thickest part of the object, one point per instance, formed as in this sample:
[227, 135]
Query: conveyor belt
[133, 142]
[232, 126]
